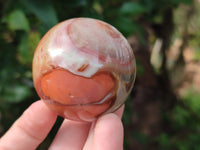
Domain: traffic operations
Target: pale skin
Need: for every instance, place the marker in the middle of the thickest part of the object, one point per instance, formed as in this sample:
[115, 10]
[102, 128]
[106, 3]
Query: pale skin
[106, 133]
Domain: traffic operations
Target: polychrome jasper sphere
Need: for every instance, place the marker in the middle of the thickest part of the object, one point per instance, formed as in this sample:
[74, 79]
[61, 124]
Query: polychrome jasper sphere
[83, 68]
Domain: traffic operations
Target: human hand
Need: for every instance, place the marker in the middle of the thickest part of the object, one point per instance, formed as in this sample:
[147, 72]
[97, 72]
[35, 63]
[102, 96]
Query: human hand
[32, 127]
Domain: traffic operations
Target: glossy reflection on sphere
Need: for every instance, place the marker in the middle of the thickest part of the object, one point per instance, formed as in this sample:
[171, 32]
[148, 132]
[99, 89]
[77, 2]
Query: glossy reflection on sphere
[83, 68]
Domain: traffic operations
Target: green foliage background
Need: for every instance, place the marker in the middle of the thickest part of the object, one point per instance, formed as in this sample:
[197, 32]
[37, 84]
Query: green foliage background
[24, 22]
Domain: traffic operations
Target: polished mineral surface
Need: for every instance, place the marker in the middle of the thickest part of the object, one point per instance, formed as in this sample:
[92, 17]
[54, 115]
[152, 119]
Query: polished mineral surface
[83, 68]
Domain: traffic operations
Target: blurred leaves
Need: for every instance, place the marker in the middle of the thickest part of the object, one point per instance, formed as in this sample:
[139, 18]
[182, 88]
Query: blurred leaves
[192, 100]
[180, 117]
[164, 141]
[140, 69]
[27, 47]
[17, 20]
[132, 9]
[15, 93]
[125, 25]
[128, 113]
[23, 22]
[140, 137]
[176, 2]
[44, 11]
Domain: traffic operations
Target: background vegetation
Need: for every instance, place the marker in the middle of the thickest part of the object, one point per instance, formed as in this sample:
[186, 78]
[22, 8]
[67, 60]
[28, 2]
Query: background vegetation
[163, 110]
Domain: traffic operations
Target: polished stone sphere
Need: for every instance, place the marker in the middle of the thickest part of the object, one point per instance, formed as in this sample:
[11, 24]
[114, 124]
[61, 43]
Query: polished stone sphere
[83, 68]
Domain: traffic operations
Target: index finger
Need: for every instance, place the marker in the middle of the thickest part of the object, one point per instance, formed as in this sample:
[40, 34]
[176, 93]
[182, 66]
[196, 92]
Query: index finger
[30, 129]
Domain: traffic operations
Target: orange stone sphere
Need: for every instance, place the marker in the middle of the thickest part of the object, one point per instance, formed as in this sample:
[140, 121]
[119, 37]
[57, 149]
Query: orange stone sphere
[83, 68]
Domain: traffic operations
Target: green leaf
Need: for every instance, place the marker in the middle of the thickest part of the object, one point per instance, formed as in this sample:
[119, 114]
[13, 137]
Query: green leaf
[191, 99]
[164, 141]
[132, 8]
[27, 47]
[125, 25]
[76, 3]
[129, 27]
[44, 10]
[15, 93]
[17, 20]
